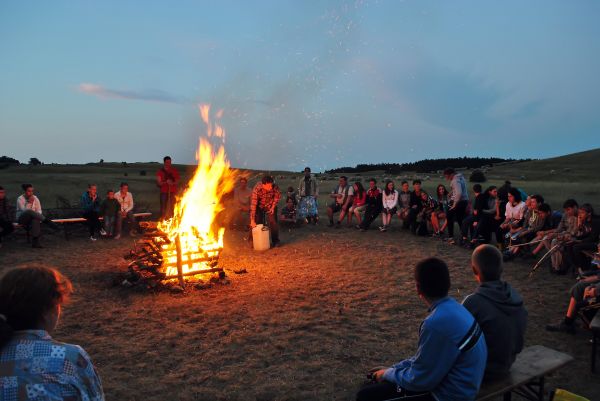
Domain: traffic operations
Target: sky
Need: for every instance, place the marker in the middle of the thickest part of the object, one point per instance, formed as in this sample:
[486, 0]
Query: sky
[301, 83]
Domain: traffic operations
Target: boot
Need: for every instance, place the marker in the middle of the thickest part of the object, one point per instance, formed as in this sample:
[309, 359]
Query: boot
[35, 242]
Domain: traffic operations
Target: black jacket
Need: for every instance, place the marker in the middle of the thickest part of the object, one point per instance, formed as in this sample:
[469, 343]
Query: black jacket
[499, 310]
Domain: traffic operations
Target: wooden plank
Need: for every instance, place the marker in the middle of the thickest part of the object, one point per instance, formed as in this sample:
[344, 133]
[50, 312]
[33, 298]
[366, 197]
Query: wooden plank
[532, 363]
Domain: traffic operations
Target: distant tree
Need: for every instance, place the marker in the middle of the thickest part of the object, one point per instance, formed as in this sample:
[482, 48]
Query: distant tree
[124, 164]
[477, 176]
[8, 160]
[143, 172]
[101, 162]
[34, 161]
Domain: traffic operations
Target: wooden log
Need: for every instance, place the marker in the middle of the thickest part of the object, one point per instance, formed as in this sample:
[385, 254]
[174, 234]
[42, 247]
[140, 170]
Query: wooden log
[195, 272]
[214, 259]
[179, 266]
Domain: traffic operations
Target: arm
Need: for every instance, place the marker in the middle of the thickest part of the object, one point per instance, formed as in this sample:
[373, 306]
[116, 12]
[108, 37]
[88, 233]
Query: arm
[128, 203]
[253, 204]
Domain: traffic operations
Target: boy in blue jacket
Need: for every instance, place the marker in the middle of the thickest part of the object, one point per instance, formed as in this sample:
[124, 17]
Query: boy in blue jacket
[451, 355]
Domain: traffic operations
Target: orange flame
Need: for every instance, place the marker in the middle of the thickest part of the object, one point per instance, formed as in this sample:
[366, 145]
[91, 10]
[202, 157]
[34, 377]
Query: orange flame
[193, 222]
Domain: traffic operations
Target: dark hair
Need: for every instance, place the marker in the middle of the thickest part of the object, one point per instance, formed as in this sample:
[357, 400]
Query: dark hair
[404, 182]
[26, 294]
[267, 179]
[538, 198]
[437, 191]
[491, 188]
[26, 186]
[344, 178]
[477, 188]
[361, 189]
[166, 158]
[123, 184]
[544, 207]
[588, 208]
[307, 169]
[449, 171]
[570, 203]
[516, 194]
[243, 179]
[290, 189]
[110, 190]
[416, 182]
[507, 183]
[432, 278]
[488, 260]
[1, 188]
[385, 189]
[373, 180]
[92, 185]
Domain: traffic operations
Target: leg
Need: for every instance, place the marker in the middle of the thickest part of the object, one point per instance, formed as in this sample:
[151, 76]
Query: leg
[133, 225]
[385, 391]
[163, 205]
[6, 228]
[118, 225]
[272, 218]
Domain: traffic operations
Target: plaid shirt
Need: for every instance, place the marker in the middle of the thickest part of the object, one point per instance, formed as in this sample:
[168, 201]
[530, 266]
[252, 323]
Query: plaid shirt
[264, 199]
[35, 367]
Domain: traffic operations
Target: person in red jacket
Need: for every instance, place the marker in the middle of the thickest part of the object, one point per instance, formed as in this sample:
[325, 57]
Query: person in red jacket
[167, 179]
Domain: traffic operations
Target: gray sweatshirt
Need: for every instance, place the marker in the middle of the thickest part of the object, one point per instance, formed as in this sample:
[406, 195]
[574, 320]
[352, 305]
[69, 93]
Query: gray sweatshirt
[499, 310]
[459, 188]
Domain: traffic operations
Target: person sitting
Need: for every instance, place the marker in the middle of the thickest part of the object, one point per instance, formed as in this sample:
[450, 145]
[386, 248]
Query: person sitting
[34, 366]
[291, 195]
[450, 360]
[515, 211]
[440, 212]
[489, 216]
[109, 209]
[536, 218]
[389, 203]
[585, 231]
[416, 205]
[125, 199]
[6, 225]
[308, 191]
[288, 213]
[359, 204]
[90, 203]
[374, 205]
[468, 227]
[459, 201]
[29, 215]
[342, 199]
[499, 310]
[579, 251]
[425, 216]
[241, 204]
[263, 207]
[404, 204]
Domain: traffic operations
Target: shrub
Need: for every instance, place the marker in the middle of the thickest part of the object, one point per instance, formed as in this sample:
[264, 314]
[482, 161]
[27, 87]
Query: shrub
[143, 172]
[477, 176]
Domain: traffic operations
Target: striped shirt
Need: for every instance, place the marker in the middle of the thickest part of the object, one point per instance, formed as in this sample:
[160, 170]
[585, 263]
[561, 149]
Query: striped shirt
[264, 199]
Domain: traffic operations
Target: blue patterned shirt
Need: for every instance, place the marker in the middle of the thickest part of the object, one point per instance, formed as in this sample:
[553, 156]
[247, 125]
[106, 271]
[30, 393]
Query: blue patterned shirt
[34, 367]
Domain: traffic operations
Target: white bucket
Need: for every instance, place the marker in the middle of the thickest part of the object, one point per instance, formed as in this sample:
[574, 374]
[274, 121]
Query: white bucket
[261, 238]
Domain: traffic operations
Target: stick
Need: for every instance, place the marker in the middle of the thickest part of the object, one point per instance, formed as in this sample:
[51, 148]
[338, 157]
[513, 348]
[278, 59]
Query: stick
[534, 268]
[527, 243]
[179, 267]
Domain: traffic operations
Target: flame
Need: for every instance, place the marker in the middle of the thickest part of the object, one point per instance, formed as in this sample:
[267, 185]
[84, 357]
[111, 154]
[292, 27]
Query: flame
[193, 221]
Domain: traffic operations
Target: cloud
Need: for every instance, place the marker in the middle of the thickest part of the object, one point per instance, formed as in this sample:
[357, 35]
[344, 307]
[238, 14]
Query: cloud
[148, 95]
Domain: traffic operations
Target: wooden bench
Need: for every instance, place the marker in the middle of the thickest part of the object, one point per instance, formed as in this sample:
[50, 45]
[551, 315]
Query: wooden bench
[70, 220]
[527, 375]
[595, 327]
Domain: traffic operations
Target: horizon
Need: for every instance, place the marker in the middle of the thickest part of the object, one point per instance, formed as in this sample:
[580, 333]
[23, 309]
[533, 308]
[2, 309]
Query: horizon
[300, 84]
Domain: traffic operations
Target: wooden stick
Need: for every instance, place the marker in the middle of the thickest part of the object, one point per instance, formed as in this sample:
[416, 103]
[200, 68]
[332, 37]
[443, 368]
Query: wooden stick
[534, 268]
[179, 266]
[191, 262]
[193, 273]
[527, 243]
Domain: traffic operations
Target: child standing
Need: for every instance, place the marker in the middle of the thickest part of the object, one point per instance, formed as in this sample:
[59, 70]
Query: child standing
[108, 210]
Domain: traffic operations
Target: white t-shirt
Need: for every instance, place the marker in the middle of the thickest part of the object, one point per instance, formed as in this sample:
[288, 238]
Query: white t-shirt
[390, 201]
[342, 191]
[515, 212]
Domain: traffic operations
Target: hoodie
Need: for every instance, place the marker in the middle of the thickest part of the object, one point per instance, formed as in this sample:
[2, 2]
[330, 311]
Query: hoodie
[499, 310]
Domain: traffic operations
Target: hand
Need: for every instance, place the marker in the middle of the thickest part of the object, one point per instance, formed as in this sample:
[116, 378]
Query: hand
[474, 224]
[589, 292]
[378, 375]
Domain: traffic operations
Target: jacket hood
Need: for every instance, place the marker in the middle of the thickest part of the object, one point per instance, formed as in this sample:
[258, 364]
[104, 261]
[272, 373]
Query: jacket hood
[501, 295]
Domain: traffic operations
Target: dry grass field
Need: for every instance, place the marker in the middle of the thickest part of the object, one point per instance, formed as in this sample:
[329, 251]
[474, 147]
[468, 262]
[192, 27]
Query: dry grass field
[306, 320]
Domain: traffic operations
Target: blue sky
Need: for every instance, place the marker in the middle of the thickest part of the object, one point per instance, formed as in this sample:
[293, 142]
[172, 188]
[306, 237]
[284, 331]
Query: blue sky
[324, 84]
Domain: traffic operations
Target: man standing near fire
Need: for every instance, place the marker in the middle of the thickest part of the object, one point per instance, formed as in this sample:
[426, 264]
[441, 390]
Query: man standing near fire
[263, 206]
[167, 179]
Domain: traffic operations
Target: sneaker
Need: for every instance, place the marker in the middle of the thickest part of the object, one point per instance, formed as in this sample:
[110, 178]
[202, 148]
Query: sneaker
[102, 232]
[92, 238]
[117, 236]
[561, 327]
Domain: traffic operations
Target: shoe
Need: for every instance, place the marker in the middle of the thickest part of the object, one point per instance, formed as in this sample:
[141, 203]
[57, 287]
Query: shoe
[92, 238]
[276, 244]
[102, 232]
[117, 236]
[561, 327]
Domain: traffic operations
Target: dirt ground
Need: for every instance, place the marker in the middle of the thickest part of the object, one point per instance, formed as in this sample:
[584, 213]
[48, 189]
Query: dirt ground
[305, 322]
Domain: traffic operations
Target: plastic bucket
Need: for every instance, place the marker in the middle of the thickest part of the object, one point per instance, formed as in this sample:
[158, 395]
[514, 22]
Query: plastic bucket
[261, 238]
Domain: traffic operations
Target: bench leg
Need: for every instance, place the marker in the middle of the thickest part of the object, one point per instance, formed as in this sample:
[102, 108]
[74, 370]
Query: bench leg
[534, 390]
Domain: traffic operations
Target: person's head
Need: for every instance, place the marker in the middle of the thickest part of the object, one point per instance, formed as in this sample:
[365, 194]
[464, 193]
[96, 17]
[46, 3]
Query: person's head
[441, 191]
[432, 279]
[486, 262]
[424, 195]
[2, 193]
[585, 212]
[27, 189]
[92, 189]
[405, 186]
[290, 189]
[372, 183]
[167, 161]
[570, 206]
[358, 188]
[289, 203]
[535, 201]
[307, 172]
[31, 299]
[243, 182]
[417, 185]
[544, 210]
[477, 189]
[124, 187]
[492, 191]
[389, 186]
[267, 182]
[110, 194]
[514, 196]
[343, 181]
[449, 173]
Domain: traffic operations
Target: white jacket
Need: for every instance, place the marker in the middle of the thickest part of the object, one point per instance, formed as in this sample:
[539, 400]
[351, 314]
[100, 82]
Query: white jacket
[390, 201]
